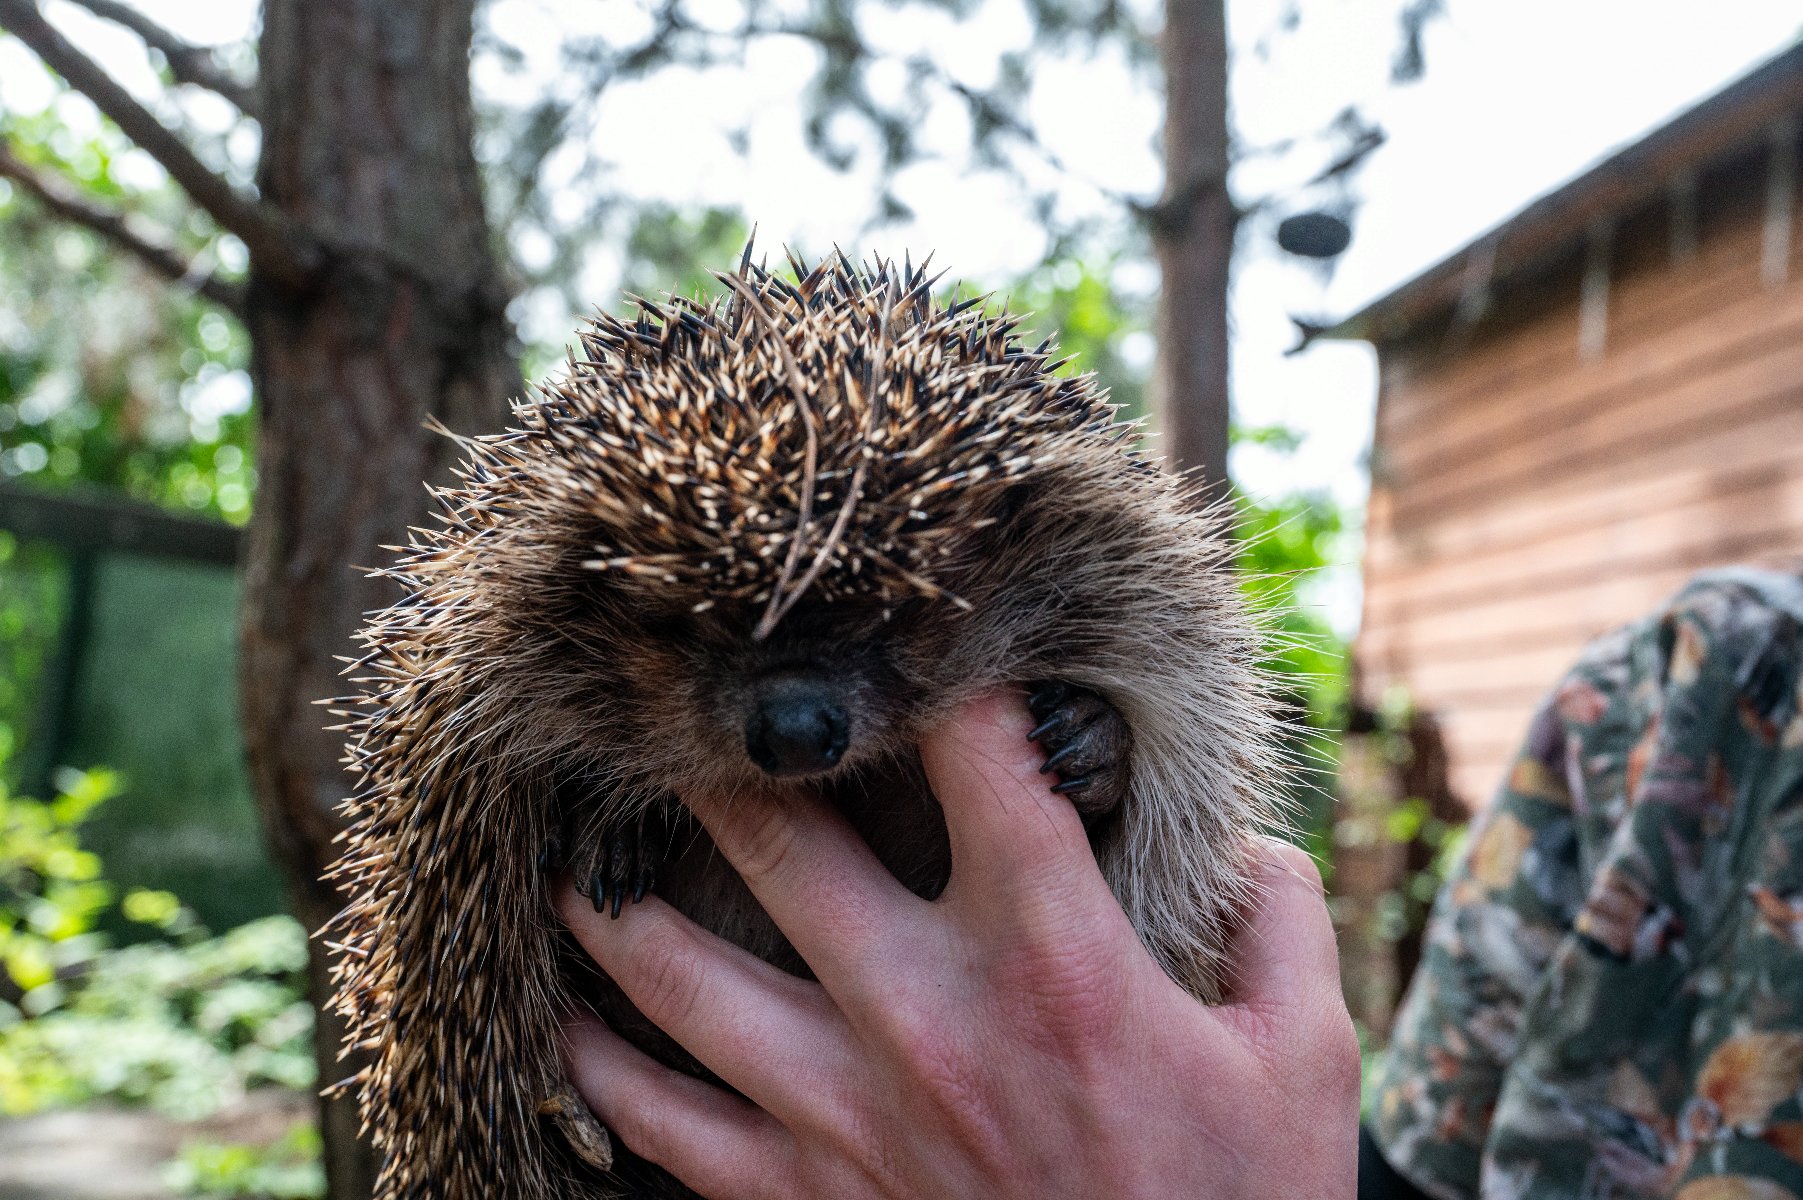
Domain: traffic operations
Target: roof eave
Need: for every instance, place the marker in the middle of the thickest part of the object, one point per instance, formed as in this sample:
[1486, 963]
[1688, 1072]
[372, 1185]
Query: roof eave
[1744, 111]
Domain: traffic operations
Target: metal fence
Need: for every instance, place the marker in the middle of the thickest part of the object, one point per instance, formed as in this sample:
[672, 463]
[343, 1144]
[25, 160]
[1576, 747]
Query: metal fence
[136, 620]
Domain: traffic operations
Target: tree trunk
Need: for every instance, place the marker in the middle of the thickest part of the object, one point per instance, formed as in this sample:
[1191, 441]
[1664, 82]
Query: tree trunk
[367, 124]
[1192, 232]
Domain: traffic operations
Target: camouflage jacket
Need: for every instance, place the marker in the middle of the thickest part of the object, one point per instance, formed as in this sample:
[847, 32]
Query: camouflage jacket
[1610, 1003]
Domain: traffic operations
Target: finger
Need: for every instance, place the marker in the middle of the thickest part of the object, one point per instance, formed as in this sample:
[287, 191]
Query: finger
[765, 1032]
[841, 909]
[1011, 835]
[717, 1143]
[1286, 956]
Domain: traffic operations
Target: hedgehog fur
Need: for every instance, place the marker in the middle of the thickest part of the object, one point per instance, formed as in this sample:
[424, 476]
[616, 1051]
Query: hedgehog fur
[832, 474]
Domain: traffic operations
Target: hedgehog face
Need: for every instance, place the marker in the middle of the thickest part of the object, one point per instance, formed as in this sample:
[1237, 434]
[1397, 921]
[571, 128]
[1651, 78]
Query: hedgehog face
[719, 705]
[760, 503]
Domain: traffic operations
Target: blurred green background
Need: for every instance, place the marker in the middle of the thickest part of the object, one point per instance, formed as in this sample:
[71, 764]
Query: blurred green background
[154, 699]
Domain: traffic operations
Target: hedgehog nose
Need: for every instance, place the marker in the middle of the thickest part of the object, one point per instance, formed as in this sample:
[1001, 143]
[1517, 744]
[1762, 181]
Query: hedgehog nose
[798, 728]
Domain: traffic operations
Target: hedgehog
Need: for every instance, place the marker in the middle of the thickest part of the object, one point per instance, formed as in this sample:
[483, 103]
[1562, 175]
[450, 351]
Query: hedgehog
[741, 547]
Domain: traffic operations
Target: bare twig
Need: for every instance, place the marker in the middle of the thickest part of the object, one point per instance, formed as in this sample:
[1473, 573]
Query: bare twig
[275, 247]
[187, 62]
[68, 203]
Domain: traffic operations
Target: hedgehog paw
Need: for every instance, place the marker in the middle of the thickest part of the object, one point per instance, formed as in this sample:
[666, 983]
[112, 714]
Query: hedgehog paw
[567, 1110]
[1086, 742]
[631, 852]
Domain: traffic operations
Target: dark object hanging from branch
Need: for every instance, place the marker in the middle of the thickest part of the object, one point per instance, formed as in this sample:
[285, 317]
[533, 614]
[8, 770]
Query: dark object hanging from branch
[1314, 235]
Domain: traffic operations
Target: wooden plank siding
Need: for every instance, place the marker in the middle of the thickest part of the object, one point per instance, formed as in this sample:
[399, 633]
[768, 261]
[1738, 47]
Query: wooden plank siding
[1525, 500]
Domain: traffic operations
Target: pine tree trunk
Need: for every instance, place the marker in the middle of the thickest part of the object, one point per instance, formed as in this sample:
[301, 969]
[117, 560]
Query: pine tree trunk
[1192, 232]
[367, 148]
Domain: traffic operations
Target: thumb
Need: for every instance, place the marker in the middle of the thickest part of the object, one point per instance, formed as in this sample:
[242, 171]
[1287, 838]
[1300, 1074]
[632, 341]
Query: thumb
[1286, 957]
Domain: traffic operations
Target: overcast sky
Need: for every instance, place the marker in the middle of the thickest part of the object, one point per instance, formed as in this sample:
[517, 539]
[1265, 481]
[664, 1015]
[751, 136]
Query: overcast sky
[1518, 96]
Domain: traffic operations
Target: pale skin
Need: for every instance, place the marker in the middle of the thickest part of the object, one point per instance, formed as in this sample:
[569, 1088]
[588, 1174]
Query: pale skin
[1011, 1038]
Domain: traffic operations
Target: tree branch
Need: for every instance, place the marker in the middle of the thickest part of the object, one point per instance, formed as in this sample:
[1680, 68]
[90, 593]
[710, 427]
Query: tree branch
[1172, 212]
[188, 63]
[116, 227]
[275, 247]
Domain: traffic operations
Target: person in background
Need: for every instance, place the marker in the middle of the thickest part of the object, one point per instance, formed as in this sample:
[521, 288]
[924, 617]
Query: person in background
[1610, 1002]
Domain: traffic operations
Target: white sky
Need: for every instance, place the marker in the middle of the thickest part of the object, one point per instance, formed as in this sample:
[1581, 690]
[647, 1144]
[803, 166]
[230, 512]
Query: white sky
[1519, 95]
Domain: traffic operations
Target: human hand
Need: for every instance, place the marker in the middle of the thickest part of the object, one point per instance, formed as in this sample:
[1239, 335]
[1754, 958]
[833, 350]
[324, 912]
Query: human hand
[1012, 1038]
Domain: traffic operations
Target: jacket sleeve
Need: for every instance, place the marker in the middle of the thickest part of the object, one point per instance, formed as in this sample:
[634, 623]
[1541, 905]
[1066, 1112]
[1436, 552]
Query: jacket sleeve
[1513, 895]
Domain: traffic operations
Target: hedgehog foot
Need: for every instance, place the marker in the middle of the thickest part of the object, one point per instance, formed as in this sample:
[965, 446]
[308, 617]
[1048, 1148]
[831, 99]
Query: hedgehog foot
[570, 1114]
[631, 852]
[1086, 742]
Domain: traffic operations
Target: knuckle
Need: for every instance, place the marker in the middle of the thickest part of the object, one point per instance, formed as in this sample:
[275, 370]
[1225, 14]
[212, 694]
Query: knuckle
[765, 841]
[1342, 1067]
[950, 1076]
[1321, 1048]
[645, 1133]
[867, 1142]
[669, 978]
[1286, 861]
[955, 1085]
[915, 1031]
[1066, 999]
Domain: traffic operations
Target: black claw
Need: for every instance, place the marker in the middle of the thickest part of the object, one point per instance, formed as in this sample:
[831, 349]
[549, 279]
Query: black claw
[622, 854]
[1064, 754]
[627, 866]
[1084, 739]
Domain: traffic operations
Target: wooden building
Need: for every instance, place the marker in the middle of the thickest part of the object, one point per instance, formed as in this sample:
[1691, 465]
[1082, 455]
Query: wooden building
[1582, 408]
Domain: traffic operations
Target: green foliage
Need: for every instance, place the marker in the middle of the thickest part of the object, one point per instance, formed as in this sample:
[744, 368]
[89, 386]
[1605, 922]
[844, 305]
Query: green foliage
[669, 250]
[1094, 321]
[185, 1023]
[50, 888]
[108, 375]
[1371, 1068]
[1405, 910]
[1411, 824]
[287, 1170]
[155, 700]
[183, 1026]
[1284, 545]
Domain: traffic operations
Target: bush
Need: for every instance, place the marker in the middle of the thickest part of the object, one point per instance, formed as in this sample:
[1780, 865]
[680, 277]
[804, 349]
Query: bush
[185, 1023]
[287, 1170]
